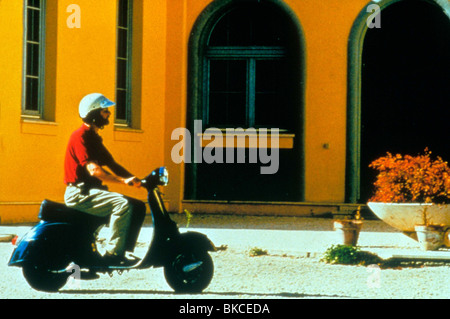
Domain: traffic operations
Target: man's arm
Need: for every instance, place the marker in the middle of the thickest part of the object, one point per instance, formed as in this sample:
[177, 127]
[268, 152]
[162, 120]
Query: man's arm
[118, 169]
[97, 171]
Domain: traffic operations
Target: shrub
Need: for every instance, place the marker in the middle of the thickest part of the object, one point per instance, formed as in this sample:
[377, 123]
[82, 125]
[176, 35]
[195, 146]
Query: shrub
[411, 179]
[349, 255]
[255, 251]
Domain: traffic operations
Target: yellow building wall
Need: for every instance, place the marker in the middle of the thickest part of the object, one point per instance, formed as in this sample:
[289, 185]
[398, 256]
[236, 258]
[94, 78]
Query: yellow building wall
[82, 61]
[78, 61]
[326, 25]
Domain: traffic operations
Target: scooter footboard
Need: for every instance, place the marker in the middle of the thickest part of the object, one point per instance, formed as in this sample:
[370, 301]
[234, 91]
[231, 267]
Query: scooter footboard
[42, 244]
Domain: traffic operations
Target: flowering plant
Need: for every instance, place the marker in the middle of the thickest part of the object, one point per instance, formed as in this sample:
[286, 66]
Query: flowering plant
[411, 179]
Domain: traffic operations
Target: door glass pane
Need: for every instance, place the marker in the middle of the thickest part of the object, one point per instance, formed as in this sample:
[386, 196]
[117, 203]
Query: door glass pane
[32, 88]
[34, 3]
[249, 24]
[270, 94]
[121, 74]
[32, 59]
[232, 29]
[227, 96]
[121, 102]
[123, 13]
[122, 43]
[33, 25]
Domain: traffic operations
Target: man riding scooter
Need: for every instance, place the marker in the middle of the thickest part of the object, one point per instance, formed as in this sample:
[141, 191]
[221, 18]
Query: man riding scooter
[65, 234]
[85, 159]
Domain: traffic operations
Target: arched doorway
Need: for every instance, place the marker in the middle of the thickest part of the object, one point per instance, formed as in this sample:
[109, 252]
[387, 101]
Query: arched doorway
[246, 71]
[404, 73]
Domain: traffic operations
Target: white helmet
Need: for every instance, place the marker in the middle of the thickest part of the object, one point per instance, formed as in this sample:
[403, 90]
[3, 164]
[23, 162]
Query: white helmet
[93, 102]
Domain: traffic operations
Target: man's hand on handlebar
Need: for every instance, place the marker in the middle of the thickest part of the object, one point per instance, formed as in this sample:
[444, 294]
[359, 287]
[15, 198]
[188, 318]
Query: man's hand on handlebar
[133, 181]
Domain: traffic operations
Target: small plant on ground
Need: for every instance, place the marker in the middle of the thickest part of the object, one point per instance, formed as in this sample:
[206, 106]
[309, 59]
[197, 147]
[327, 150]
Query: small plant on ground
[188, 217]
[255, 251]
[222, 248]
[349, 255]
[341, 254]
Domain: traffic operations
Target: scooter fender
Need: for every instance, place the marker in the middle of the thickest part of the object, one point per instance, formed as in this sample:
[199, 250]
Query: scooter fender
[42, 242]
[196, 240]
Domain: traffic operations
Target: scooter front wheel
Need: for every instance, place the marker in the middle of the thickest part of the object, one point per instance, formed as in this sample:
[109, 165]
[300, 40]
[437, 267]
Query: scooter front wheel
[43, 279]
[189, 271]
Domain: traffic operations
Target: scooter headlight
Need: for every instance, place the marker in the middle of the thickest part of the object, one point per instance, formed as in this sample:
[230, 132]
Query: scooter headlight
[163, 176]
[159, 176]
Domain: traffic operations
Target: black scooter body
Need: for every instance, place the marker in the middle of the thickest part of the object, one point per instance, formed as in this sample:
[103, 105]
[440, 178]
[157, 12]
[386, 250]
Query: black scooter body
[65, 235]
[62, 231]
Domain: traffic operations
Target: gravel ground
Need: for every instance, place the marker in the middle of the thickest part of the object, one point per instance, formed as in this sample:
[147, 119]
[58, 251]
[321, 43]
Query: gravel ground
[293, 277]
[270, 222]
[285, 272]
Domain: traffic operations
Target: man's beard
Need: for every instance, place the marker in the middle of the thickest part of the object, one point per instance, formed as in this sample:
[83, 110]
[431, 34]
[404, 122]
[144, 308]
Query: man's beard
[100, 122]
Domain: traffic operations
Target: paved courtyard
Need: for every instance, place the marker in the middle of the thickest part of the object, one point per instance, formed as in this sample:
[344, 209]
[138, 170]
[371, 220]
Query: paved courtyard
[290, 270]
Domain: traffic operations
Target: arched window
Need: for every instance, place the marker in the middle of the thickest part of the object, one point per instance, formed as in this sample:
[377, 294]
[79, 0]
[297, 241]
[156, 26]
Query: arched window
[248, 82]
[246, 70]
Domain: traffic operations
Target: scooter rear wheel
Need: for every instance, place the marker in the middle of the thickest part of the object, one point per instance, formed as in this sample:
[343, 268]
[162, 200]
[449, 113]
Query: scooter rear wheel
[189, 272]
[43, 279]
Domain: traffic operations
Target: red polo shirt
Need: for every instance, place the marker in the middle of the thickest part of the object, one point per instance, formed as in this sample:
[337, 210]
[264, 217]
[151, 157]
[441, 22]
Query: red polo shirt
[85, 145]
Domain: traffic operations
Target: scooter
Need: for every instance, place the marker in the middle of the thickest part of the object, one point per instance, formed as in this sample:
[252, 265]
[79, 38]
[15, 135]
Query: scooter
[65, 238]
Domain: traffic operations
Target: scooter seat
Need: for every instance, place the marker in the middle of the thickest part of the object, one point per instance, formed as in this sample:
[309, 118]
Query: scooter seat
[57, 212]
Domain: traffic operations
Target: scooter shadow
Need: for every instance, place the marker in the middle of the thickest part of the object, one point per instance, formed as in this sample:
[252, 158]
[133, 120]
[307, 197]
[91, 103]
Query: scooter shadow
[205, 293]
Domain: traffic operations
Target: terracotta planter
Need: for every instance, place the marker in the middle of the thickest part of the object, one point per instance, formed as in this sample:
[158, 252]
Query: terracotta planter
[6, 237]
[348, 231]
[430, 237]
[447, 237]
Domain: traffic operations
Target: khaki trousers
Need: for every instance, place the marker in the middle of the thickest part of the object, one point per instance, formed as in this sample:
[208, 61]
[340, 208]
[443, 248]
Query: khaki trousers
[127, 214]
